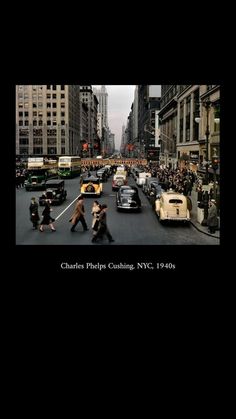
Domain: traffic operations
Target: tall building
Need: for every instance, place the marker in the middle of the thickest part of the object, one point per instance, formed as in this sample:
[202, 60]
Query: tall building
[149, 100]
[90, 145]
[47, 120]
[102, 97]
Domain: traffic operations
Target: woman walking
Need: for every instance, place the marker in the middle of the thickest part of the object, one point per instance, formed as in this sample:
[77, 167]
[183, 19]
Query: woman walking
[96, 209]
[47, 219]
[34, 215]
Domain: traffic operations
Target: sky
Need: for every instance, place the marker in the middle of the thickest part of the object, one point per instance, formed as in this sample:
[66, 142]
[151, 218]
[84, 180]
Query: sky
[120, 98]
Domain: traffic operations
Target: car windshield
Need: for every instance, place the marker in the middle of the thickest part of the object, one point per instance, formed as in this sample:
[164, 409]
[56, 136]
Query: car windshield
[127, 192]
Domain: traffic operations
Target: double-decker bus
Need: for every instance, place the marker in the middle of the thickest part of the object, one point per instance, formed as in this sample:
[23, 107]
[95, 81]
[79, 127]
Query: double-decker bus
[39, 170]
[69, 166]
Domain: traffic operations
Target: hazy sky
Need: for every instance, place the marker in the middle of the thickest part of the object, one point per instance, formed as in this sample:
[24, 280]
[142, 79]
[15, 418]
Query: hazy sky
[120, 99]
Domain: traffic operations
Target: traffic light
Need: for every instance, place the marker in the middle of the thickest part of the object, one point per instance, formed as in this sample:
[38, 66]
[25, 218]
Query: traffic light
[215, 163]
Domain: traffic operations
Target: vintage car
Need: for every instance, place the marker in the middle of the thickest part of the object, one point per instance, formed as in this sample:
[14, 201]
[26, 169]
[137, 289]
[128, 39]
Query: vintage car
[119, 179]
[172, 205]
[127, 198]
[102, 174]
[55, 192]
[91, 186]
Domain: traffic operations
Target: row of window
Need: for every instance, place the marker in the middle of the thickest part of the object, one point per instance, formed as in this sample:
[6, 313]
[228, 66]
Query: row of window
[40, 105]
[26, 114]
[39, 150]
[35, 123]
[40, 87]
[39, 141]
[40, 96]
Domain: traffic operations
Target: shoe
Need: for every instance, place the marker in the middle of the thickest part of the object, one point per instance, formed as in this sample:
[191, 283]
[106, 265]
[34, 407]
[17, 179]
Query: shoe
[72, 230]
[53, 229]
[93, 240]
[86, 229]
[41, 230]
[112, 240]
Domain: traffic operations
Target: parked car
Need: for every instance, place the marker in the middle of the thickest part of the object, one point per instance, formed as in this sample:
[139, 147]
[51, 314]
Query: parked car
[91, 186]
[172, 206]
[127, 198]
[55, 192]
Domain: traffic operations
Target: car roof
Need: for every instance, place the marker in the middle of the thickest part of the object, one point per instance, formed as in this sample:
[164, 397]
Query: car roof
[173, 195]
[54, 182]
[91, 179]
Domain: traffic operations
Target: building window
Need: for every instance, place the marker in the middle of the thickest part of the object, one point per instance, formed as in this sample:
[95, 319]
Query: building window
[54, 105]
[34, 122]
[20, 114]
[26, 123]
[62, 105]
[52, 141]
[34, 113]
[63, 132]
[62, 95]
[38, 150]
[37, 141]
[24, 151]
[24, 141]
[62, 114]
[48, 95]
[40, 122]
[54, 114]
[54, 87]
[48, 114]
[63, 140]
[54, 96]
[40, 104]
[52, 150]
[26, 114]
[48, 86]
[34, 105]
[48, 105]
[63, 150]
[62, 87]
[49, 122]
[54, 122]
[62, 122]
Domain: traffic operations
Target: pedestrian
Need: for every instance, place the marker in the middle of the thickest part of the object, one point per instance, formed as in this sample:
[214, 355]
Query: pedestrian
[102, 228]
[96, 209]
[47, 219]
[34, 215]
[78, 215]
[212, 220]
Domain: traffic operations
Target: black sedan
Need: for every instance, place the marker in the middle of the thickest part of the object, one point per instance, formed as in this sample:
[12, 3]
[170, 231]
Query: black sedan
[127, 198]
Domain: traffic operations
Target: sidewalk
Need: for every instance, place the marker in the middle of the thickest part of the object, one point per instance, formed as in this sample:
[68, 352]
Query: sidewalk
[194, 221]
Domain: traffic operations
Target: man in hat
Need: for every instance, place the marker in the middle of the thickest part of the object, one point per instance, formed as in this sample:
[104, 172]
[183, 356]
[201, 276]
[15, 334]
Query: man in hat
[78, 214]
[34, 215]
[212, 220]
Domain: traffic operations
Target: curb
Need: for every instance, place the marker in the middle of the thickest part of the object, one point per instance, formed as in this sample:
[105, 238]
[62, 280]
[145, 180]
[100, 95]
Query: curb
[204, 232]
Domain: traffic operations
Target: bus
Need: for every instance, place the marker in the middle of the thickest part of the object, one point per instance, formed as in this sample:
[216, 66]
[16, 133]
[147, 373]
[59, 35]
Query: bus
[69, 166]
[39, 170]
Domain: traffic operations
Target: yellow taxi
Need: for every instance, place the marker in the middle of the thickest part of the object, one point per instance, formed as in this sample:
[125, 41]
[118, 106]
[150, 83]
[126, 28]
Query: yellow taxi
[91, 186]
[172, 205]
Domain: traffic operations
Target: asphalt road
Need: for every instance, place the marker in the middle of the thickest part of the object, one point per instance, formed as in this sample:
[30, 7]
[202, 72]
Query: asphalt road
[126, 228]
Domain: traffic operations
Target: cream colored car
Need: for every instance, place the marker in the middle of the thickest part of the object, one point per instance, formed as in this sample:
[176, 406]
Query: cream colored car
[172, 206]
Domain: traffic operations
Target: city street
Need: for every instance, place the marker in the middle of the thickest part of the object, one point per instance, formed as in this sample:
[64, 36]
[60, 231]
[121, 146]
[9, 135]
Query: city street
[126, 228]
